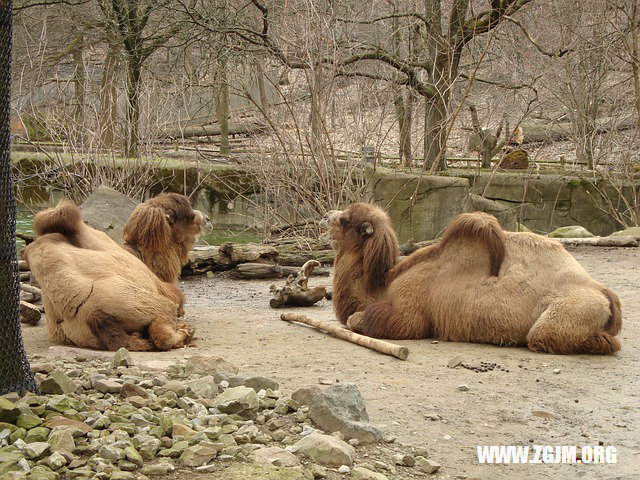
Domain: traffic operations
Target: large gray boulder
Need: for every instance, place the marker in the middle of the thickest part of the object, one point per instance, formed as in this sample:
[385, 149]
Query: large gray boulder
[340, 408]
[572, 231]
[108, 211]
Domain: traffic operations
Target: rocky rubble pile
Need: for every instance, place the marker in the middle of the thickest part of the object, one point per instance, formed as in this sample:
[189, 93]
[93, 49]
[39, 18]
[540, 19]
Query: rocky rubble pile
[111, 419]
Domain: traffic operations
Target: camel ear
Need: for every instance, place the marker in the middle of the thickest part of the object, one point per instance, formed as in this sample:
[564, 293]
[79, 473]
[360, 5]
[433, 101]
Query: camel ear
[170, 216]
[366, 229]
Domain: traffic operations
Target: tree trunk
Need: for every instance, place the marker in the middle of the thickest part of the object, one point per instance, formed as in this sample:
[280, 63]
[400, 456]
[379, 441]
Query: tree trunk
[223, 105]
[133, 108]
[79, 96]
[109, 99]
[435, 133]
[635, 59]
[262, 91]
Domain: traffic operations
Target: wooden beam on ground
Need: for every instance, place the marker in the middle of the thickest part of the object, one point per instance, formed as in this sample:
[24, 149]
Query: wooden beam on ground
[344, 334]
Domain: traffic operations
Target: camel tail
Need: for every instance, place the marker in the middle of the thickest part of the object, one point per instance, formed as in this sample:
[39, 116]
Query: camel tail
[64, 219]
[482, 227]
[614, 324]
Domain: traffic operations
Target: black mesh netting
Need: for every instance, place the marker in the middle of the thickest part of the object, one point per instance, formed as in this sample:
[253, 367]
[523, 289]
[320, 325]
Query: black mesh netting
[15, 373]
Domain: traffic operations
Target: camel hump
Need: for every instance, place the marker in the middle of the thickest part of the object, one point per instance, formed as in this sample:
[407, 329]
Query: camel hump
[482, 227]
[65, 219]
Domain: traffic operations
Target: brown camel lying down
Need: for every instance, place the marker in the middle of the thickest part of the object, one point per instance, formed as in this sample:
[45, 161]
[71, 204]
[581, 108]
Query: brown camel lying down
[162, 231]
[478, 283]
[95, 293]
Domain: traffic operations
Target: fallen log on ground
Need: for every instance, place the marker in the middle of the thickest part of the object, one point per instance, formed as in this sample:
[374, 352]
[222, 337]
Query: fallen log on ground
[264, 271]
[242, 128]
[626, 241]
[235, 253]
[296, 291]
[342, 333]
[33, 294]
[537, 133]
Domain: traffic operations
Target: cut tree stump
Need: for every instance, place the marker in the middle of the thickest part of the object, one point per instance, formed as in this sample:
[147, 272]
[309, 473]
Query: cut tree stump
[29, 313]
[344, 334]
[296, 291]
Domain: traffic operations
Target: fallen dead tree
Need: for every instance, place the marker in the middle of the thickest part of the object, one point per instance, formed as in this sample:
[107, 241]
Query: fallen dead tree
[241, 128]
[263, 271]
[623, 241]
[344, 334]
[535, 133]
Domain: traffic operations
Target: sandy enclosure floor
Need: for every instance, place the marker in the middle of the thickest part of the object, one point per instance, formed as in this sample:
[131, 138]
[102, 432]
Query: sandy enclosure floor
[592, 399]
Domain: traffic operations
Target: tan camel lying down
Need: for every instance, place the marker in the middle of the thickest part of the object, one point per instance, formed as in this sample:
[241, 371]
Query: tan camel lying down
[478, 283]
[95, 293]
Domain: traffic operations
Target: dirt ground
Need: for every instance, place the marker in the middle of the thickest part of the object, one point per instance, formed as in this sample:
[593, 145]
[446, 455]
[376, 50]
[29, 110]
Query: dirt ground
[592, 400]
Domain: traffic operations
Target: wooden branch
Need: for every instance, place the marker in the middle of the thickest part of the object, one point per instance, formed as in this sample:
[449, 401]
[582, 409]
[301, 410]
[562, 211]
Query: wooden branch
[342, 333]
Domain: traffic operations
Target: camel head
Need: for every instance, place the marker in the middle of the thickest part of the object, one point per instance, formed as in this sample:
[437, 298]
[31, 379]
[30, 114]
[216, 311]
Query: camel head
[355, 225]
[366, 229]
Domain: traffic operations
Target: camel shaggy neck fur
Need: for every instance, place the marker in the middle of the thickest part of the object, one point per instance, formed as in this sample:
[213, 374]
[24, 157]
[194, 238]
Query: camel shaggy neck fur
[478, 283]
[162, 232]
[95, 293]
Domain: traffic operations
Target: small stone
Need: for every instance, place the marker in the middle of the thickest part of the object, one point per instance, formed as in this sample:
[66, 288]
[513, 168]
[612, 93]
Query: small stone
[182, 430]
[463, 388]
[8, 411]
[58, 383]
[37, 450]
[261, 383]
[556, 371]
[210, 365]
[237, 400]
[138, 402]
[343, 469]
[198, 455]
[325, 381]
[318, 471]
[37, 434]
[325, 450]
[129, 390]
[59, 421]
[427, 466]
[454, 362]
[122, 358]
[133, 456]
[28, 421]
[111, 453]
[62, 440]
[107, 386]
[275, 456]
[405, 460]
[157, 469]
[56, 461]
[120, 475]
[361, 473]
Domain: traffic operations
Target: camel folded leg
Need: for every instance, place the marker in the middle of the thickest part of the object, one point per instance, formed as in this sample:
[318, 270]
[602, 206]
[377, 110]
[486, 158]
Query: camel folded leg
[574, 323]
[110, 335]
[166, 334]
[382, 320]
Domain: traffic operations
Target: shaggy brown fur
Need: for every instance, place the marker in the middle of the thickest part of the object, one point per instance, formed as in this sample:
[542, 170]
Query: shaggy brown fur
[162, 231]
[477, 284]
[95, 293]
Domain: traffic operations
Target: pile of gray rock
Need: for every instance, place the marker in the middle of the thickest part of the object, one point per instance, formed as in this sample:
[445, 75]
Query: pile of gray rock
[111, 419]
